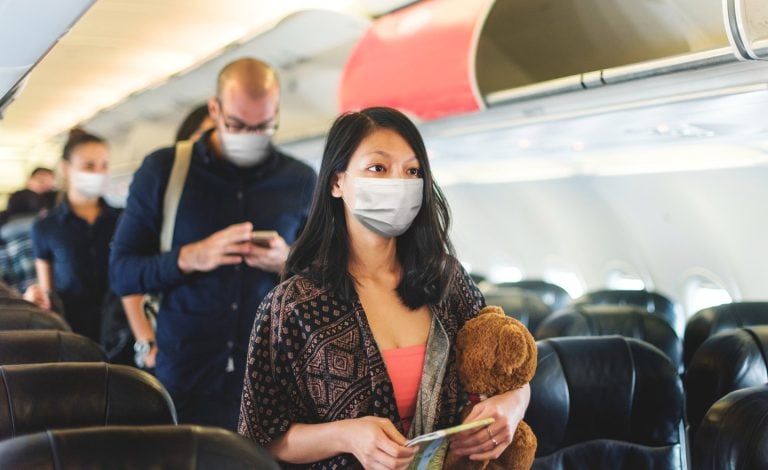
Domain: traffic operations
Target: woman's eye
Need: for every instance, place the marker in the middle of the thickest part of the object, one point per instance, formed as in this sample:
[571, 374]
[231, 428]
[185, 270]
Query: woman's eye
[415, 172]
[376, 168]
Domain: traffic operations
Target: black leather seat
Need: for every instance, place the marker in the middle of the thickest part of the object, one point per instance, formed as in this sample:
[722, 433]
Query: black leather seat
[651, 302]
[606, 402]
[7, 291]
[519, 304]
[623, 320]
[554, 296]
[711, 321]
[15, 301]
[36, 397]
[734, 432]
[22, 317]
[728, 361]
[134, 447]
[37, 346]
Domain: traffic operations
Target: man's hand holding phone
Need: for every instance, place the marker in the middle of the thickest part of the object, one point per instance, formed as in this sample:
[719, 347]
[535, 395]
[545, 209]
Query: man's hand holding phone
[268, 251]
[225, 247]
[263, 238]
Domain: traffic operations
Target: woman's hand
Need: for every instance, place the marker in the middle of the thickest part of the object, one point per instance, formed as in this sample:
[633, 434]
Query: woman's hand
[489, 442]
[151, 359]
[37, 295]
[377, 444]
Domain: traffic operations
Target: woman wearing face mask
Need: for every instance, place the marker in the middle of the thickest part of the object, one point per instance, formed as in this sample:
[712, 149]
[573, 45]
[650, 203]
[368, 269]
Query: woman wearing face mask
[354, 352]
[71, 243]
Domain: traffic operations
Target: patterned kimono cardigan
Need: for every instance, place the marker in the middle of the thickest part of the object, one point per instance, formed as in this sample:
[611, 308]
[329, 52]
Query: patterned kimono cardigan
[313, 359]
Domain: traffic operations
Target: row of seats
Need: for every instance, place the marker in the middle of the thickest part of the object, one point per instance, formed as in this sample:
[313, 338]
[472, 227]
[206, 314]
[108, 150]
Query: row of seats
[534, 301]
[622, 312]
[728, 358]
[624, 320]
[134, 447]
[62, 406]
[606, 402]
[615, 402]
[726, 362]
[602, 402]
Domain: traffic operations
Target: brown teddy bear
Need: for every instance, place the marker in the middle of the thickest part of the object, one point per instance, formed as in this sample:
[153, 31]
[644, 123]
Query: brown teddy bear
[496, 354]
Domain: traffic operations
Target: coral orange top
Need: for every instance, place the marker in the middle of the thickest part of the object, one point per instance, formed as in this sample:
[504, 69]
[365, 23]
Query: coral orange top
[404, 367]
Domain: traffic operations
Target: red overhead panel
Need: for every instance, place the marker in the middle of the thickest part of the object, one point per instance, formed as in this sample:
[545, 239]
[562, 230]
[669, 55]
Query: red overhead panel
[419, 59]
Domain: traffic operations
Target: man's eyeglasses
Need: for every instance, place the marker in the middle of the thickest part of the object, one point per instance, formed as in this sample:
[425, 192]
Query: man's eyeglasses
[232, 124]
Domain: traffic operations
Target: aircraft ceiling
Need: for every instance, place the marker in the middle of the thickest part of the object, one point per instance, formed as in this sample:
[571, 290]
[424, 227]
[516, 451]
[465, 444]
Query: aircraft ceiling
[120, 48]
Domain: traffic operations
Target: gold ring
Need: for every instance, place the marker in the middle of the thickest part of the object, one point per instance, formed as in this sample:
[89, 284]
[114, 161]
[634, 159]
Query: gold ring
[495, 443]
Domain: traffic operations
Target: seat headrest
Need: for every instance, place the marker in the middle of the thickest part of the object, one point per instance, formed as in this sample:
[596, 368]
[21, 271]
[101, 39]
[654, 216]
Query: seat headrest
[520, 304]
[38, 346]
[651, 302]
[17, 301]
[713, 320]
[139, 447]
[607, 387]
[7, 291]
[554, 296]
[607, 453]
[624, 320]
[35, 397]
[734, 432]
[725, 362]
[22, 317]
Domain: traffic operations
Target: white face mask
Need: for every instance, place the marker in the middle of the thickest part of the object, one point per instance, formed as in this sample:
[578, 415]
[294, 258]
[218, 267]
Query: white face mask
[387, 206]
[245, 149]
[90, 185]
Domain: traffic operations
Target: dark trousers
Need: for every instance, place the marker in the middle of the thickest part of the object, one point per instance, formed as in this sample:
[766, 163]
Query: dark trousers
[211, 409]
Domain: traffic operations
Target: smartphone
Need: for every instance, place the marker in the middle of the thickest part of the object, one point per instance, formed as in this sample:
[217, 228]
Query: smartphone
[263, 237]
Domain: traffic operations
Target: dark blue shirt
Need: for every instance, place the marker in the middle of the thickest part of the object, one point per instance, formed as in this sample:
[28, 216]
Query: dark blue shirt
[79, 256]
[205, 318]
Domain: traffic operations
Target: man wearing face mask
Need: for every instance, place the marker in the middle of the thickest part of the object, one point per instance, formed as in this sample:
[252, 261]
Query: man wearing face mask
[213, 278]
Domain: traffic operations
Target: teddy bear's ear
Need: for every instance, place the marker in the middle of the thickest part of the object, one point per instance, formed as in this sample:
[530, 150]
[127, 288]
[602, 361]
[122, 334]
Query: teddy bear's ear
[512, 340]
[492, 309]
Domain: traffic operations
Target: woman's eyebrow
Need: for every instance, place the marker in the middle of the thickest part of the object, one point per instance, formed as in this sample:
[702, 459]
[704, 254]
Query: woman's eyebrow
[384, 153]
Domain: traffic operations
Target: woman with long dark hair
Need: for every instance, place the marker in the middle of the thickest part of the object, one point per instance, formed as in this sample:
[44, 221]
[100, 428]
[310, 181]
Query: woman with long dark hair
[353, 351]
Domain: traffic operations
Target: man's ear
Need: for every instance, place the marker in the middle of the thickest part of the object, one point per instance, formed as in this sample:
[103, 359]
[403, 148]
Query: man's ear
[213, 108]
[336, 181]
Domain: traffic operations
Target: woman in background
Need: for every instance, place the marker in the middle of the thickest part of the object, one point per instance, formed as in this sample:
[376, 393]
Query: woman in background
[195, 124]
[71, 243]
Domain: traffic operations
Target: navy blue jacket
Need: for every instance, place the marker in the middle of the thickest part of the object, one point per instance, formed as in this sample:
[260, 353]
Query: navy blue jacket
[205, 318]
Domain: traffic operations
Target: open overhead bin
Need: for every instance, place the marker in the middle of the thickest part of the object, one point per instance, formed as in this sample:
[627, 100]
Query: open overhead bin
[418, 59]
[443, 57]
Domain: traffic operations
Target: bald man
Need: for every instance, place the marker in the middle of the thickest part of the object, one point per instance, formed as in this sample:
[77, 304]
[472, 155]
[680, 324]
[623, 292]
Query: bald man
[215, 275]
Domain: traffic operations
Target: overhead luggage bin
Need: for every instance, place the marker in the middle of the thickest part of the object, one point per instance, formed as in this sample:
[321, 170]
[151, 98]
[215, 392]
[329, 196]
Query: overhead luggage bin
[531, 41]
[418, 59]
[436, 59]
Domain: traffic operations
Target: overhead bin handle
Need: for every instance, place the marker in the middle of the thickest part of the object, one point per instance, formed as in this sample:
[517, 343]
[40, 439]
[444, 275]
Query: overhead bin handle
[746, 24]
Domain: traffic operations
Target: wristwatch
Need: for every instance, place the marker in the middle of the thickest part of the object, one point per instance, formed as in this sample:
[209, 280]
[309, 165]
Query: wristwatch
[141, 349]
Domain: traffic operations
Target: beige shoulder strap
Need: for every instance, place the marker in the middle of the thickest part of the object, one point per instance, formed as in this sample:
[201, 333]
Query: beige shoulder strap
[173, 191]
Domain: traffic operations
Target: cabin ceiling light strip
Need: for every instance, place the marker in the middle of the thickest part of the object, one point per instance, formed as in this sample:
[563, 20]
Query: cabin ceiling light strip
[627, 106]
